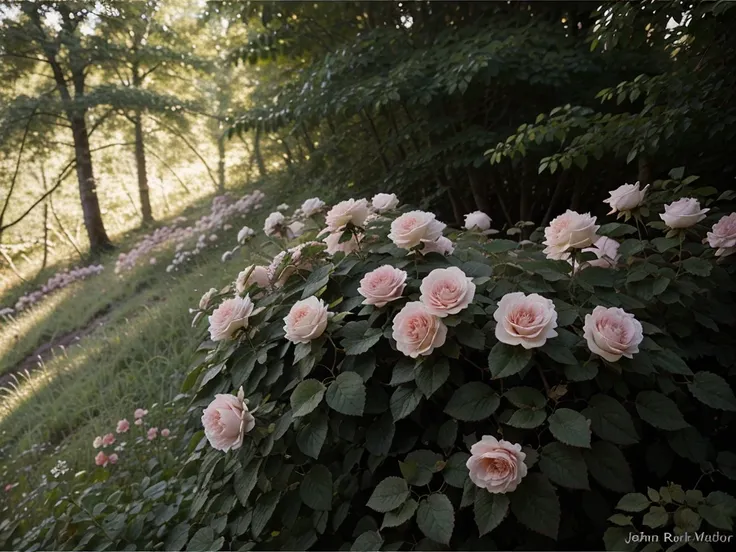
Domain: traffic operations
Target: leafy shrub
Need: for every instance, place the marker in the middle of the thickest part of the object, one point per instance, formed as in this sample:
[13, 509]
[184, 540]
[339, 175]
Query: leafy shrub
[356, 445]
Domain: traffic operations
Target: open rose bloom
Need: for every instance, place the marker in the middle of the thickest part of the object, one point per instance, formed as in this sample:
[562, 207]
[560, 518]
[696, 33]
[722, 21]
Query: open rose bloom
[626, 198]
[307, 320]
[385, 202]
[526, 320]
[477, 220]
[417, 331]
[683, 213]
[722, 236]
[415, 227]
[446, 291]
[568, 231]
[441, 245]
[229, 317]
[226, 421]
[496, 466]
[334, 246]
[612, 333]
[257, 275]
[606, 249]
[382, 285]
[353, 211]
[312, 206]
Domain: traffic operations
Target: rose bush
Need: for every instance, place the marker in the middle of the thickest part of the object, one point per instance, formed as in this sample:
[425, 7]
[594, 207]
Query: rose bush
[406, 398]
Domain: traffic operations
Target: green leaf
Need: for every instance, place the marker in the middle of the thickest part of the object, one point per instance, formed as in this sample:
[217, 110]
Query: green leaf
[420, 465]
[447, 434]
[202, 540]
[312, 435]
[727, 464]
[655, 517]
[362, 344]
[347, 394]
[581, 372]
[306, 397]
[436, 518]
[455, 471]
[697, 266]
[404, 371]
[316, 488]
[404, 401]
[610, 420]
[473, 402]
[559, 352]
[380, 435]
[317, 280]
[607, 464]
[429, 376]
[471, 337]
[389, 494]
[490, 510]
[263, 511]
[570, 427]
[526, 397]
[659, 411]
[616, 230]
[527, 419]
[712, 390]
[633, 502]
[507, 360]
[535, 504]
[401, 515]
[177, 537]
[618, 539]
[499, 246]
[671, 362]
[369, 541]
[564, 465]
[719, 510]
[245, 480]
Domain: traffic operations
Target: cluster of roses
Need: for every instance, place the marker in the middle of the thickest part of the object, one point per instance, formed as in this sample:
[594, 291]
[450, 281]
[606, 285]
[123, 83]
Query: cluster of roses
[222, 210]
[521, 320]
[58, 281]
[123, 426]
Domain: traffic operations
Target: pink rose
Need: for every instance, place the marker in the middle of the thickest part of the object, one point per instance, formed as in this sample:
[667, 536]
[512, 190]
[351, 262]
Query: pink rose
[626, 197]
[165, 432]
[334, 245]
[152, 433]
[113, 458]
[612, 333]
[226, 421]
[477, 220]
[415, 227]
[139, 421]
[606, 250]
[496, 466]
[101, 459]
[417, 331]
[526, 320]
[230, 316]
[683, 213]
[441, 245]
[382, 285]
[257, 275]
[123, 426]
[108, 440]
[385, 202]
[140, 413]
[446, 291]
[722, 236]
[312, 206]
[352, 211]
[274, 224]
[306, 320]
[10, 486]
[570, 230]
[97, 443]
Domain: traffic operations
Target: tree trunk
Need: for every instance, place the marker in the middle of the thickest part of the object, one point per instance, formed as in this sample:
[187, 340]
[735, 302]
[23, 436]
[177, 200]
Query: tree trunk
[221, 163]
[645, 171]
[140, 161]
[98, 240]
[257, 152]
[479, 190]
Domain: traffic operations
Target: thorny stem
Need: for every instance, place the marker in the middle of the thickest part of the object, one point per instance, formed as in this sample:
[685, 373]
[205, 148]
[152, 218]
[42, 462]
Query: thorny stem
[544, 379]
